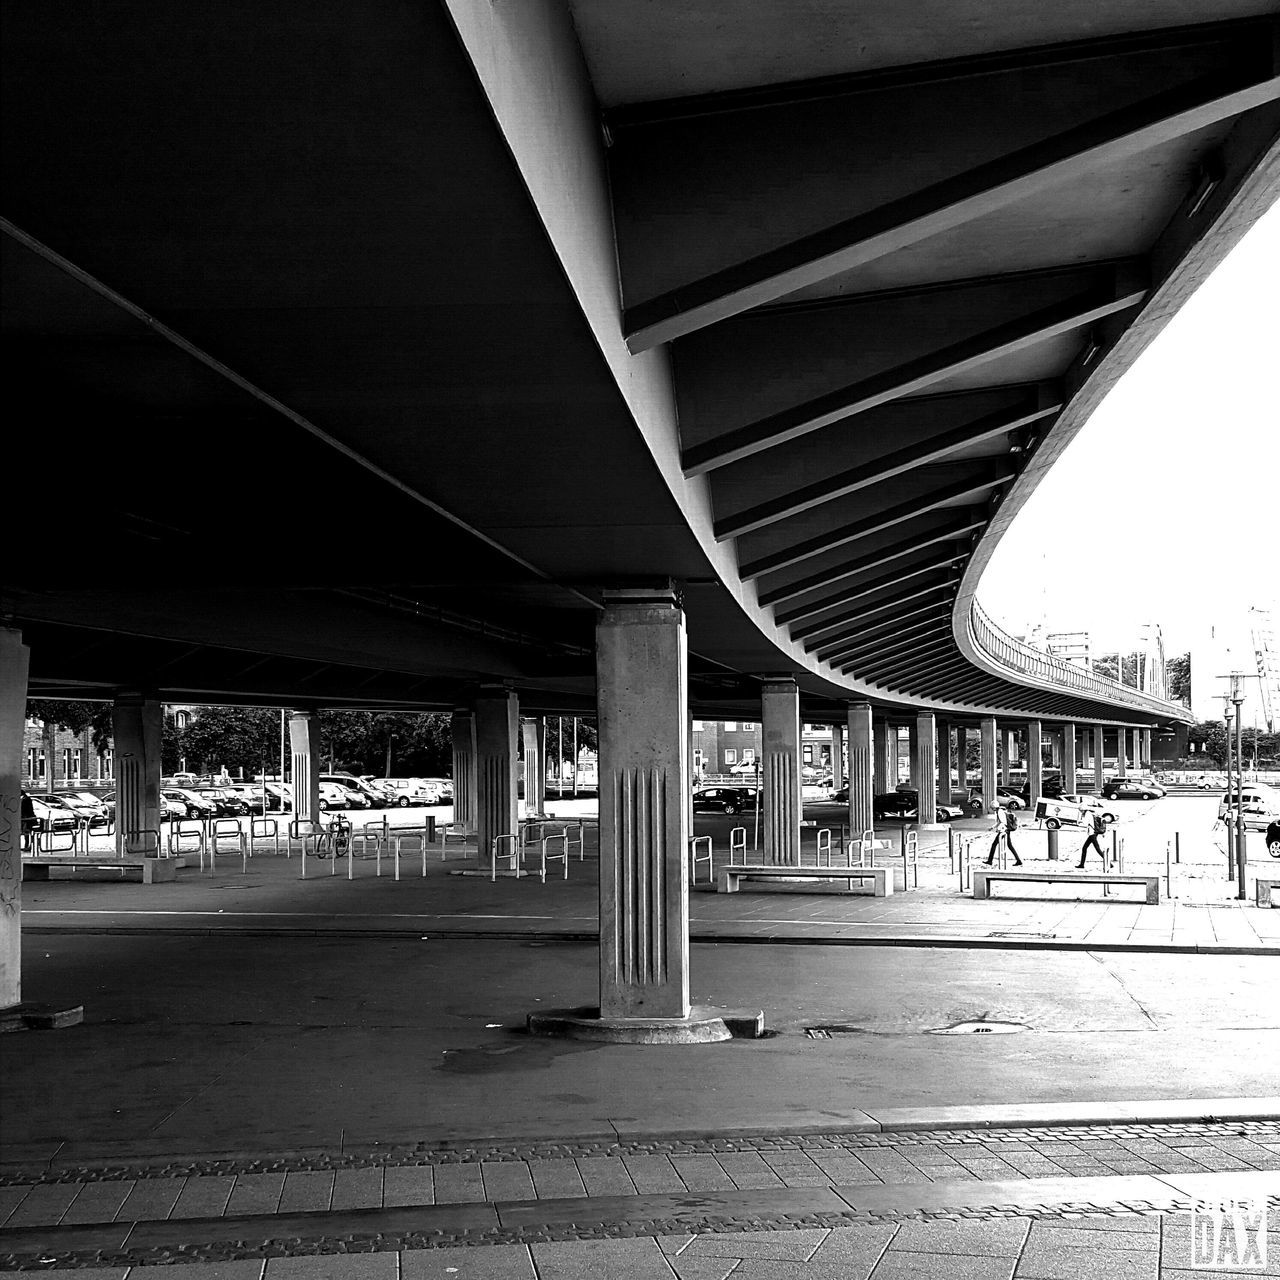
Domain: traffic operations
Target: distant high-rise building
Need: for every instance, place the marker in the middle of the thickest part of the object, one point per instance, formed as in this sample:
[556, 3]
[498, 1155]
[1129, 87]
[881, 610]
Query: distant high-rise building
[1071, 646]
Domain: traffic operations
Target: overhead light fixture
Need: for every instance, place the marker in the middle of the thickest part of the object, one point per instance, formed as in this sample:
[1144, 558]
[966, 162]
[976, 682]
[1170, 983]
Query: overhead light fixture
[1091, 352]
[1208, 179]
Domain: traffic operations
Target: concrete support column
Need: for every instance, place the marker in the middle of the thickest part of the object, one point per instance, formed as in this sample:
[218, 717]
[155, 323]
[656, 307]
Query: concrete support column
[988, 732]
[837, 756]
[497, 760]
[1007, 758]
[944, 761]
[1098, 753]
[884, 757]
[135, 730]
[1122, 753]
[642, 692]
[304, 745]
[861, 813]
[463, 728]
[925, 763]
[1069, 756]
[14, 661]
[534, 770]
[962, 763]
[914, 776]
[780, 777]
[1145, 751]
[689, 785]
[1035, 760]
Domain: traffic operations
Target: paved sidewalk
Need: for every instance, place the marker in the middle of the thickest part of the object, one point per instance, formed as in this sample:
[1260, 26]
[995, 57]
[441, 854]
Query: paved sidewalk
[272, 898]
[1093, 1201]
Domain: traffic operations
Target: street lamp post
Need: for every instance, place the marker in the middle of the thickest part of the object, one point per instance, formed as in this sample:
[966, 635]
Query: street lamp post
[1242, 852]
[1226, 715]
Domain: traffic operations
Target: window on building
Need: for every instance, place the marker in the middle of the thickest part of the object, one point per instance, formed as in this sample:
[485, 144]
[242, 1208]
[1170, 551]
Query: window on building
[808, 755]
[71, 762]
[182, 719]
[698, 758]
[107, 764]
[697, 726]
[35, 762]
[750, 726]
[730, 726]
[748, 756]
[731, 756]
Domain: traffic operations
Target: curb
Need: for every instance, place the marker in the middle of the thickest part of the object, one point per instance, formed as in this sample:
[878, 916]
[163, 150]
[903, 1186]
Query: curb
[583, 936]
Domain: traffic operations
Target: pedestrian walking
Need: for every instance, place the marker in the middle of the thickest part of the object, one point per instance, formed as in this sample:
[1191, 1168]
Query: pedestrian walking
[1097, 826]
[1005, 825]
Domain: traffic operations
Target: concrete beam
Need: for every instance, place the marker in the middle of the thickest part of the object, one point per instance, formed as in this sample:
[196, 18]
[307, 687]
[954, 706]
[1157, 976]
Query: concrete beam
[812, 630]
[1127, 288]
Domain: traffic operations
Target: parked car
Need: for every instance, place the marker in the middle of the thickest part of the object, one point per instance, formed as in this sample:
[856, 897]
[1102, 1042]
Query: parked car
[723, 799]
[1010, 798]
[1272, 837]
[87, 805]
[364, 796]
[226, 801]
[905, 803]
[193, 806]
[53, 816]
[386, 794]
[169, 808]
[1132, 789]
[1261, 804]
[443, 788]
[250, 794]
[409, 791]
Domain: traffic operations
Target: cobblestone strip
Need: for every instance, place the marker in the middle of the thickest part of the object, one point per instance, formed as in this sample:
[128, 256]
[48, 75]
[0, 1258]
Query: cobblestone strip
[656, 1227]
[1027, 1152]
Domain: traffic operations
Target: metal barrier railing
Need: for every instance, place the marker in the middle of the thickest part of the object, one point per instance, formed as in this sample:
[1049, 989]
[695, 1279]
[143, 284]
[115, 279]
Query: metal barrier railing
[548, 856]
[824, 846]
[222, 829]
[910, 858]
[265, 828]
[738, 846]
[1009, 652]
[179, 835]
[510, 846]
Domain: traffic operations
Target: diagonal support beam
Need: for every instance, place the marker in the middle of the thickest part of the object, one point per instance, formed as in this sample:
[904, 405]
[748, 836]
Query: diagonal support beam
[1066, 157]
[1044, 404]
[835, 644]
[886, 519]
[800, 611]
[1129, 287]
[886, 632]
[815, 630]
[851, 568]
[899, 642]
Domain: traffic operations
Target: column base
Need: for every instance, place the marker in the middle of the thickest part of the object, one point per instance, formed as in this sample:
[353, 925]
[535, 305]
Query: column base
[704, 1025]
[28, 1016]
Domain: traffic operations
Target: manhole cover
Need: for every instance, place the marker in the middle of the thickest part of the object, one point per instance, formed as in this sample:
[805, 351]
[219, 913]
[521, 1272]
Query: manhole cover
[980, 1027]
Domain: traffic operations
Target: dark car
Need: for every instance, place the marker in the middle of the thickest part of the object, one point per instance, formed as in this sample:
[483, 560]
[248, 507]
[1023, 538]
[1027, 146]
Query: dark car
[1272, 838]
[1050, 789]
[1132, 789]
[226, 802]
[723, 800]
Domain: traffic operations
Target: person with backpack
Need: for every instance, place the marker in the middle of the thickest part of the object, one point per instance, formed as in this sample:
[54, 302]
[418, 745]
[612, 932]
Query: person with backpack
[1097, 826]
[1006, 824]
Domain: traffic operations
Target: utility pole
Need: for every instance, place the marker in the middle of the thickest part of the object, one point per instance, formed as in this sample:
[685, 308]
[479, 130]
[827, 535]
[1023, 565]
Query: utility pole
[575, 757]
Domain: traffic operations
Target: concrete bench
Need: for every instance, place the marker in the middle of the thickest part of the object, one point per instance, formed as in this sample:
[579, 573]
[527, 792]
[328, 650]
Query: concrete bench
[1266, 893]
[983, 876]
[148, 870]
[728, 878]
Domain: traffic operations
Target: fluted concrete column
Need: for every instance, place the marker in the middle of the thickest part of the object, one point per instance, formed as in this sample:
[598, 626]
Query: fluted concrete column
[1098, 753]
[943, 790]
[914, 776]
[135, 729]
[1145, 748]
[534, 770]
[14, 660]
[837, 756]
[497, 763]
[304, 748]
[1006, 760]
[962, 763]
[884, 764]
[1035, 760]
[780, 733]
[1069, 756]
[988, 732]
[861, 787]
[1122, 753]
[462, 726]
[925, 760]
[642, 692]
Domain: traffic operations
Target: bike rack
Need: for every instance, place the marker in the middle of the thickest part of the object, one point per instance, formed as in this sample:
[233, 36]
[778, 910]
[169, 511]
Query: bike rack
[511, 851]
[562, 856]
[265, 827]
[302, 830]
[220, 830]
[738, 845]
[46, 834]
[867, 848]
[911, 858]
[824, 846]
[397, 847]
[695, 857]
[178, 834]
[580, 843]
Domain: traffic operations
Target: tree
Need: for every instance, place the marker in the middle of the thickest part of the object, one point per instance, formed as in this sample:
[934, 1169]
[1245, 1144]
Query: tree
[1108, 666]
[1177, 673]
[561, 749]
[75, 717]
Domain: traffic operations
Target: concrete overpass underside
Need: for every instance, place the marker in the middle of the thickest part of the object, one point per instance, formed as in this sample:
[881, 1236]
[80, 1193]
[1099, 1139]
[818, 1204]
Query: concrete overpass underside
[352, 353]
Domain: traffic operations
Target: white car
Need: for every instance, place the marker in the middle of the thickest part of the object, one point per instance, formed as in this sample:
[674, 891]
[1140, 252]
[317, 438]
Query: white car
[1082, 801]
[410, 791]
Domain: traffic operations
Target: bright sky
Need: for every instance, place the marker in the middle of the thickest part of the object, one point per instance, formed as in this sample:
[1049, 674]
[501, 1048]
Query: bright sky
[1179, 468]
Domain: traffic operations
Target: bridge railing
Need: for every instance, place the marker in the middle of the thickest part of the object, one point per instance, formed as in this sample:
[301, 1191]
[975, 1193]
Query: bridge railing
[1015, 655]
